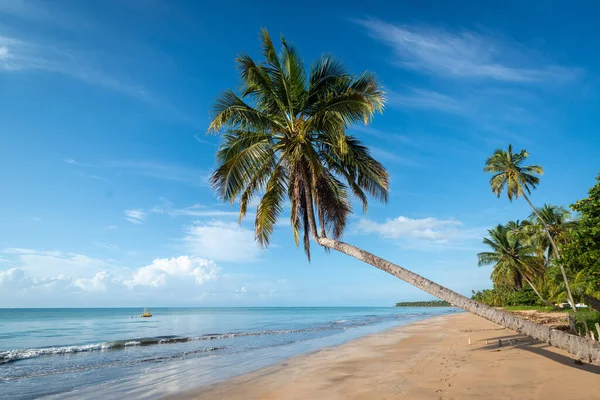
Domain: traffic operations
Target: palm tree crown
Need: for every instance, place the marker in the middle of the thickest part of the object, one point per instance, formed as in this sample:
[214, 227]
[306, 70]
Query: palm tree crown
[508, 171]
[513, 257]
[284, 139]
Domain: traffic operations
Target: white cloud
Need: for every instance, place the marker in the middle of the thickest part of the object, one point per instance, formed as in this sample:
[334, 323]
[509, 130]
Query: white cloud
[183, 267]
[11, 275]
[94, 284]
[428, 229]
[43, 263]
[241, 290]
[464, 54]
[135, 216]
[16, 279]
[221, 241]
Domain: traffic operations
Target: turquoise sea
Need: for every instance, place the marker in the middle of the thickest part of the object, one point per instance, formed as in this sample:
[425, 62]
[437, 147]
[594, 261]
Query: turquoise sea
[114, 353]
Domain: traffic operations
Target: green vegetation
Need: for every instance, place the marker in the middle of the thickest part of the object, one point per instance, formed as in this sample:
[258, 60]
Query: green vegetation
[581, 249]
[431, 303]
[508, 172]
[504, 296]
[547, 258]
[534, 308]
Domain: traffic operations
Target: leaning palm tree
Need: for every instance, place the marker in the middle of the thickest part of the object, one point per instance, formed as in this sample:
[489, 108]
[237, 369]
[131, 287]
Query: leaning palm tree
[518, 179]
[513, 258]
[285, 139]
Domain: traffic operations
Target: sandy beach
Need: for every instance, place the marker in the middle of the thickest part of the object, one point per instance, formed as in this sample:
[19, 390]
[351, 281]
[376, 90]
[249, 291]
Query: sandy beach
[431, 359]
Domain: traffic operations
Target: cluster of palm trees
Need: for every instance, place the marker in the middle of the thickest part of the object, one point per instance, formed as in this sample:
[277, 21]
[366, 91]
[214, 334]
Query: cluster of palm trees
[521, 254]
[285, 140]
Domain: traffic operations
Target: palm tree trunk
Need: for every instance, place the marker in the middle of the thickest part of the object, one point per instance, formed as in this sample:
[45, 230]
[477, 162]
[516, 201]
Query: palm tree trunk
[538, 293]
[556, 254]
[580, 347]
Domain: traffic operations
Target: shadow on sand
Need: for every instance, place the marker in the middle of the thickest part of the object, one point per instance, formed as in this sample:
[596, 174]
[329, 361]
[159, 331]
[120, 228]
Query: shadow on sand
[526, 343]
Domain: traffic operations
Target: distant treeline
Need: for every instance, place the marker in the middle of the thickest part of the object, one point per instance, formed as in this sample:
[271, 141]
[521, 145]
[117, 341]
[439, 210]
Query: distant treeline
[432, 303]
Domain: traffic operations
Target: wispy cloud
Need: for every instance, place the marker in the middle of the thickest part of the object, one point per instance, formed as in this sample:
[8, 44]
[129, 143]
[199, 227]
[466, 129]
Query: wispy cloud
[75, 162]
[463, 54]
[57, 262]
[425, 99]
[204, 141]
[23, 50]
[156, 170]
[196, 210]
[168, 172]
[381, 134]
[135, 216]
[107, 246]
[19, 55]
[385, 155]
[421, 233]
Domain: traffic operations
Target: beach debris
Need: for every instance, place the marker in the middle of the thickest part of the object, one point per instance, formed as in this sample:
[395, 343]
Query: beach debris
[499, 342]
[469, 340]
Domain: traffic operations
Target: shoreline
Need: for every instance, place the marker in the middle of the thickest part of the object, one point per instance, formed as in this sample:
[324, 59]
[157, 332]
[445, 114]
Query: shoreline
[428, 359]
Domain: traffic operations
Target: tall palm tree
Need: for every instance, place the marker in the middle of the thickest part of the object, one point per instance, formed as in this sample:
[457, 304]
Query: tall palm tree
[518, 179]
[284, 138]
[514, 259]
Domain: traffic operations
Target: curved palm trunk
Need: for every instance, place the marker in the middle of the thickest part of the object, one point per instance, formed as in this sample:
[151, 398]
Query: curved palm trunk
[580, 347]
[536, 292]
[556, 254]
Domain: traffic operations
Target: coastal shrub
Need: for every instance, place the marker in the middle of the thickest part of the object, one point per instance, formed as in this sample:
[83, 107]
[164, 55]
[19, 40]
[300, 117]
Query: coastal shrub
[505, 297]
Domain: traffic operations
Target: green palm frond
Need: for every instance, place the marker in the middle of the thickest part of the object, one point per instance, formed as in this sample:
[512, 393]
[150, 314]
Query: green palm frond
[508, 172]
[284, 140]
[513, 259]
[270, 206]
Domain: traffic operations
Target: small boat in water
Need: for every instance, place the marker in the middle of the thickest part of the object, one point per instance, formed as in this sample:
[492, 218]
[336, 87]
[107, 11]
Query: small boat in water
[146, 313]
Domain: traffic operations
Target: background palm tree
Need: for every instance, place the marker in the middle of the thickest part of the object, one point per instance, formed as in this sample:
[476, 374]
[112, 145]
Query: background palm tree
[559, 223]
[518, 179]
[285, 138]
[514, 259]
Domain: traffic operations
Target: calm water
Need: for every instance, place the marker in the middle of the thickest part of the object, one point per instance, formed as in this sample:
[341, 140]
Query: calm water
[113, 353]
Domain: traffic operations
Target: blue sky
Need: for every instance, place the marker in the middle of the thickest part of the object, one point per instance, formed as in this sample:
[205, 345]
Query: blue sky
[104, 157]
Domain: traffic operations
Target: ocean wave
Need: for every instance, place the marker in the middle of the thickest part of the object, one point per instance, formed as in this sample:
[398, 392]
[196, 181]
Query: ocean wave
[90, 367]
[22, 354]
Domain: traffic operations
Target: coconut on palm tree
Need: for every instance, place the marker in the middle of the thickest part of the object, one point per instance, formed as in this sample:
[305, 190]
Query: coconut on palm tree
[285, 139]
[514, 259]
[509, 173]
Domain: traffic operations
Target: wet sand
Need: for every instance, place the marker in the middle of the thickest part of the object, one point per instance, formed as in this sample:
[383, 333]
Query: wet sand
[431, 359]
